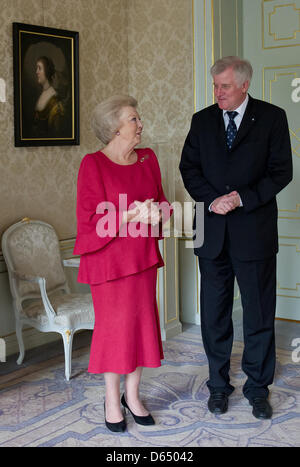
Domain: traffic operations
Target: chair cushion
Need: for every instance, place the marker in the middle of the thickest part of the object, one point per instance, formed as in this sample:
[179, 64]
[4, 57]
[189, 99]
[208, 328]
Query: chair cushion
[71, 310]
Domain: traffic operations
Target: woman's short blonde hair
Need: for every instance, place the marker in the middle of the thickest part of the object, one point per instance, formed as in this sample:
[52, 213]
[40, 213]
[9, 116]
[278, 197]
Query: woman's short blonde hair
[106, 116]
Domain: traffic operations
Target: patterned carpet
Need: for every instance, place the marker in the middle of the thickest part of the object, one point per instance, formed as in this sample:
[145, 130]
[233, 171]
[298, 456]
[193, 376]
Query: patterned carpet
[39, 408]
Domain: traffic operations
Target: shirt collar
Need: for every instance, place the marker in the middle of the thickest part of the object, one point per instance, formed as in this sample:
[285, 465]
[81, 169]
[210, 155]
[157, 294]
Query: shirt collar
[241, 109]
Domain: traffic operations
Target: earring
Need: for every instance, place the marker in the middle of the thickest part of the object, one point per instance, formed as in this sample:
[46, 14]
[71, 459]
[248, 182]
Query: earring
[118, 133]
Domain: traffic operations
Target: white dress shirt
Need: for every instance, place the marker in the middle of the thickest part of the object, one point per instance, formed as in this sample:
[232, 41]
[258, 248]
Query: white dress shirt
[240, 110]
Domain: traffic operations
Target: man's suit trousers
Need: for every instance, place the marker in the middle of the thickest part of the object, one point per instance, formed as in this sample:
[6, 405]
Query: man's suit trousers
[257, 285]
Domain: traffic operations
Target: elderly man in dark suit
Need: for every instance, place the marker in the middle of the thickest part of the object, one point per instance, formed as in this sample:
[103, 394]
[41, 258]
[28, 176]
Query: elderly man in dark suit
[236, 158]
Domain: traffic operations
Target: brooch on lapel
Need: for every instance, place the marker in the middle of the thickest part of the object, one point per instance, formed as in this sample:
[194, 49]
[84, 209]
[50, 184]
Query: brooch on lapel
[142, 159]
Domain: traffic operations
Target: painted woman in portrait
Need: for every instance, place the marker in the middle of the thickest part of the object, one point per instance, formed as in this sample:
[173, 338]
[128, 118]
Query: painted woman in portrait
[49, 110]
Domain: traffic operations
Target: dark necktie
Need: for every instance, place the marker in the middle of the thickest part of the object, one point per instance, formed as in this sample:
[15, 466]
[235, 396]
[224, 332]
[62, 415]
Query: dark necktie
[231, 129]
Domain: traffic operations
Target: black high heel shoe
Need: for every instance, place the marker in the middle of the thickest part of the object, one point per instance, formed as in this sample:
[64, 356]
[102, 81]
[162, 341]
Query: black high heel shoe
[115, 427]
[140, 420]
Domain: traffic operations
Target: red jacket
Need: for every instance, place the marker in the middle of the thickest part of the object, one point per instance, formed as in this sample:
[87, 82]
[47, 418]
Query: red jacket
[105, 189]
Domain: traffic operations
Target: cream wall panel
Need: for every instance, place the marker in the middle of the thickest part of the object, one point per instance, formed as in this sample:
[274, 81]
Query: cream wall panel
[189, 284]
[280, 23]
[168, 289]
[204, 29]
[272, 44]
[277, 89]
[228, 27]
[217, 31]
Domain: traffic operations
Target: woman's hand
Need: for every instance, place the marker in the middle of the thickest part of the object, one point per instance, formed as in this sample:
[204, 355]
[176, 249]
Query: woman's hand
[146, 212]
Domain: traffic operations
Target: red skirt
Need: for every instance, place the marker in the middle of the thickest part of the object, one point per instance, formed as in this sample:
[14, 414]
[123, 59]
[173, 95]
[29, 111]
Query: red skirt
[127, 331]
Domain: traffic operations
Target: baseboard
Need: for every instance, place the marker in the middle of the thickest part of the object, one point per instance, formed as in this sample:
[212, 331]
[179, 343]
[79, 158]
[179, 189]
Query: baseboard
[172, 331]
[32, 338]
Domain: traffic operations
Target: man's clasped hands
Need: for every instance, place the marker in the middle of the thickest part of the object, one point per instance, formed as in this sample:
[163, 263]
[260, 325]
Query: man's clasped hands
[226, 203]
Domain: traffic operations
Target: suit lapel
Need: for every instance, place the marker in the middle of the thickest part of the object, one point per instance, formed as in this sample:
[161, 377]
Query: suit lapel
[219, 129]
[247, 122]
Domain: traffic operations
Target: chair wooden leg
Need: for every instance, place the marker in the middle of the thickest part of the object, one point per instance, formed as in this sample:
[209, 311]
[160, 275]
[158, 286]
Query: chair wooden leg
[19, 327]
[68, 341]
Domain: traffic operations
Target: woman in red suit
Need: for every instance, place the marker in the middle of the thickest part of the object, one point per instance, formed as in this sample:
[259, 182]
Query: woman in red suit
[120, 210]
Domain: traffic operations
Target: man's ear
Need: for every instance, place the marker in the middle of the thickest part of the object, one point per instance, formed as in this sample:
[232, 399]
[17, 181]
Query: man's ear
[245, 86]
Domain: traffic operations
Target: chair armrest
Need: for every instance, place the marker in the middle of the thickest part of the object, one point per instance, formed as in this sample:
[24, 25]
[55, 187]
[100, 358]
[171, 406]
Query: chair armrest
[71, 262]
[41, 281]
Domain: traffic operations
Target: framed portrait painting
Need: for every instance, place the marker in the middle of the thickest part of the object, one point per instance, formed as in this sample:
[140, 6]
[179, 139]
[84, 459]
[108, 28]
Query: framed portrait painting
[46, 86]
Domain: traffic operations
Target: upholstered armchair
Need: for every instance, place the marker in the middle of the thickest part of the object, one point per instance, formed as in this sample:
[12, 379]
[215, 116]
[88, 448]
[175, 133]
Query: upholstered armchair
[41, 295]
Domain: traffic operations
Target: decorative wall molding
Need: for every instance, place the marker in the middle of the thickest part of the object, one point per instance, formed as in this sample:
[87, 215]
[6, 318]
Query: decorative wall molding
[280, 24]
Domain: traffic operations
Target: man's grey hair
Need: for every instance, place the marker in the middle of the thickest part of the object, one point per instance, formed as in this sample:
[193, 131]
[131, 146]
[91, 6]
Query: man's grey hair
[242, 68]
[106, 116]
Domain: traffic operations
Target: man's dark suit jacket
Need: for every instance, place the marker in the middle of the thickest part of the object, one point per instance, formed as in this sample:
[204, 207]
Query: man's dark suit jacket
[258, 166]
